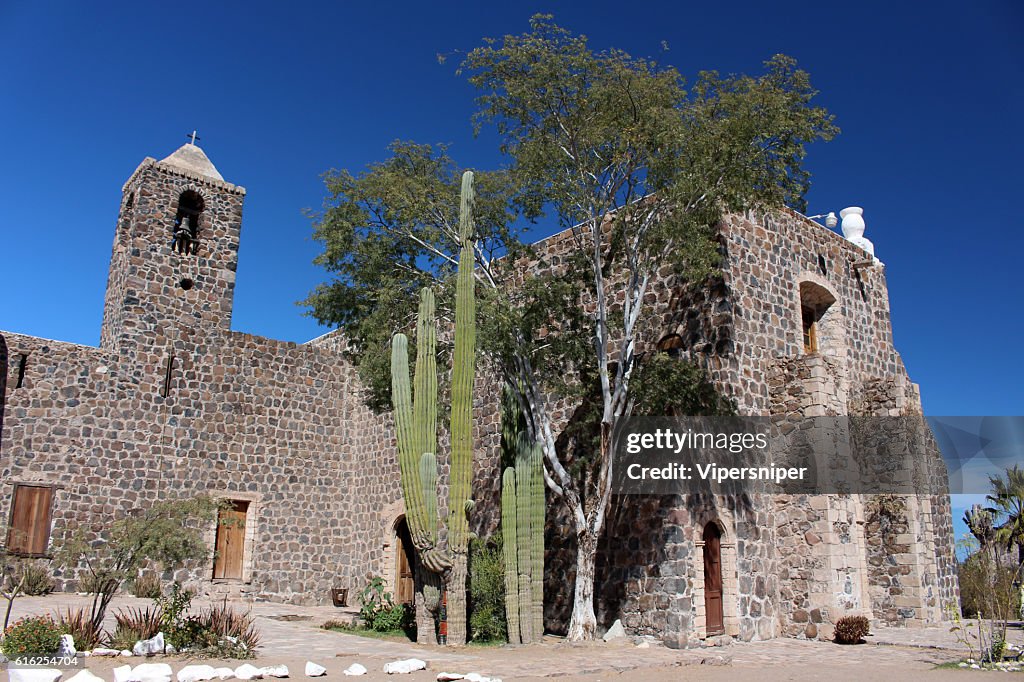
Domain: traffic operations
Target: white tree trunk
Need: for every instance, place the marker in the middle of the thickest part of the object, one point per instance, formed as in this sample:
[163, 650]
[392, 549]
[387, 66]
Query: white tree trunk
[583, 625]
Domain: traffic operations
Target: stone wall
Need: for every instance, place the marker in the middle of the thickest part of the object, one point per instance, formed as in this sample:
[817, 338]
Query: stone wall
[174, 404]
[151, 285]
[273, 423]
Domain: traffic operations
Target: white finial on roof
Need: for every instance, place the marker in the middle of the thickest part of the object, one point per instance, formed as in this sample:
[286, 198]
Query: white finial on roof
[853, 228]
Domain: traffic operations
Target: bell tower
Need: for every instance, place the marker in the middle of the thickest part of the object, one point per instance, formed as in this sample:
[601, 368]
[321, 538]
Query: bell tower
[175, 250]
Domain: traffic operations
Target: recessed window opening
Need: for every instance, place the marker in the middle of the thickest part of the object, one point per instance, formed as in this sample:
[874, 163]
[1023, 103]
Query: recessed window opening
[671, 345]
[187, 223]
[815, 304]
[186, 284]
[168, 375]
[22, 366]
[810, 324]
[130, 203]
[822, 265]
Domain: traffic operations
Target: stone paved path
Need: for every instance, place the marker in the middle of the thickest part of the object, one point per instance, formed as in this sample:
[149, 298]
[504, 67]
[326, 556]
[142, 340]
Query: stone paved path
[294, 633]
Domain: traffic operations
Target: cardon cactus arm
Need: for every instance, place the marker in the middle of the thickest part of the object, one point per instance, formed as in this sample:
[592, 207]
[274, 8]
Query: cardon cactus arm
[463, 366]
[408, 457]
[537, 508]
[510, 553]
[428, 488]
[524, 500]
[424, 406]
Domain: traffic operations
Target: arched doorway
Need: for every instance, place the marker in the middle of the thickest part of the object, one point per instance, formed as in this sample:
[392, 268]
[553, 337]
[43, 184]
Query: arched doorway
[404, 586]
[713, 579]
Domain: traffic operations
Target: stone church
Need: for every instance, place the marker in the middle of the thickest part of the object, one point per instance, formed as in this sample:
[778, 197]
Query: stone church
[175, 403]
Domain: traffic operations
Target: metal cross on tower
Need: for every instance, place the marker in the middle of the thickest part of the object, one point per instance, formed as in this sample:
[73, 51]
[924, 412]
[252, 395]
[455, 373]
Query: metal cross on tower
[194, 137]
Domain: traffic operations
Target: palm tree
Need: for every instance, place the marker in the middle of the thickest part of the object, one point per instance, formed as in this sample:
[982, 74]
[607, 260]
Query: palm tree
[1008, 498]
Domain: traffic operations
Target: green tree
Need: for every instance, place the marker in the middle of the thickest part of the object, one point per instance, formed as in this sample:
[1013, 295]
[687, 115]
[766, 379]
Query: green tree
[615, 147]
[609, 145]
[169, 532]
[1007, 499]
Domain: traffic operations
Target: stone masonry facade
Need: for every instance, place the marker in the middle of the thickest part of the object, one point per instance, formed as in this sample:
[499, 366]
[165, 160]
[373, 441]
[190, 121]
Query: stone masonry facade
[174, 403]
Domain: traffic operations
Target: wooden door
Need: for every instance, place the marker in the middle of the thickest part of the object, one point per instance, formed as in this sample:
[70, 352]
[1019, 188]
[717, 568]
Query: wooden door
[713, 579]
[230, 545]
[29, 531]
[404, 588]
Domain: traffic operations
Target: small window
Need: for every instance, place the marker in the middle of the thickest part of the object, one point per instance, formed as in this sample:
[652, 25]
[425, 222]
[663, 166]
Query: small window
[29, 529]
[816, 315]
[187, 223]
[22, 366]
[672, 345]
[810, 330]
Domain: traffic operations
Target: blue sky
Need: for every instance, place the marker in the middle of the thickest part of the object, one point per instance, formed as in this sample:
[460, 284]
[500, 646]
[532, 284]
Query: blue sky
[928, 95]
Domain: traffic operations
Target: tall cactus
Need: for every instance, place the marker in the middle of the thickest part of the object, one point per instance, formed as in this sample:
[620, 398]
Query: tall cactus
[537, 508]
[522, 524]
[441, 554]
[416, 428]
[524, 498]
[463, 370]
[510, 553]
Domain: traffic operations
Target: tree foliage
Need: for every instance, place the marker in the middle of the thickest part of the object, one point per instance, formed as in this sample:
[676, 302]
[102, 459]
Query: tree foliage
[1007, 500]
[610, 146]
[169, 533]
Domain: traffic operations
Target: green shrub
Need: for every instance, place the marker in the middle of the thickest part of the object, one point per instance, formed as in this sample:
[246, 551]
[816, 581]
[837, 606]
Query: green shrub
[133, 625]
[487, 620]
[174, 606]
[78, 624]
[147, 586]
[851, 629]
[397, 617]
[216, 632]
[31, 636]
[190, 633]
[237, 628]
[37, 579]
[987, 587]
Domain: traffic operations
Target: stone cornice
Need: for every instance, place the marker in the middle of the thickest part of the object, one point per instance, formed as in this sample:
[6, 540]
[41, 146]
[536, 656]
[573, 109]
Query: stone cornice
[150, 162]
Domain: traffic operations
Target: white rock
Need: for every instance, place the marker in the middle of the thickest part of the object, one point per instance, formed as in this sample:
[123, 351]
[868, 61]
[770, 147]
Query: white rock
[248, 672]
[314, 670]
[223, 673]
[101, 651]
[122, 673]
[84, 676]
[149, 647]
[615, 631]
[476, 677]
[196, 673]
[66, 646]
[449, 677]
[644, 645]
[275, 671]
[354, 669]
[152, 672]
[33, 674]
[126, 653]
[403, 667]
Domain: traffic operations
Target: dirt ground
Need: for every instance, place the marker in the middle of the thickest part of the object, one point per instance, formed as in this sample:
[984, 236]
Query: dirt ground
[291, 635]
[798, 671]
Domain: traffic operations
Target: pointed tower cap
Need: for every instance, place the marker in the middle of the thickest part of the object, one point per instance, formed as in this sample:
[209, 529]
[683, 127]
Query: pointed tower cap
[192, 158]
